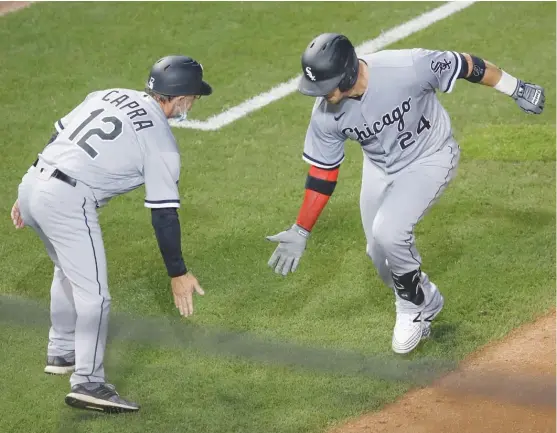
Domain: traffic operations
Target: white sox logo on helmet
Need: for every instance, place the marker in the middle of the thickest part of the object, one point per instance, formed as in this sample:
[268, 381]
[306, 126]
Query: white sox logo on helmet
[310, 74]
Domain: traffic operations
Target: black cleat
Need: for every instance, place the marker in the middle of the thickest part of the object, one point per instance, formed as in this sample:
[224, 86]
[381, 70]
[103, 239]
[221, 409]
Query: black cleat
[59, 365]
[100, 397]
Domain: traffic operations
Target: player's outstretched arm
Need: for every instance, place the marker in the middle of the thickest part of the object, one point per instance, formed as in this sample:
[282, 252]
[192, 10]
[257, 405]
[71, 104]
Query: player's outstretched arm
[320, 184]
[529, 97]
[167, 230]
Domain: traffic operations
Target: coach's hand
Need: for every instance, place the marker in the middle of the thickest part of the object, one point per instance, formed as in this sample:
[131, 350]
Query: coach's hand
[292, 244]
[16, 216]
[529, 97]
[182, 289]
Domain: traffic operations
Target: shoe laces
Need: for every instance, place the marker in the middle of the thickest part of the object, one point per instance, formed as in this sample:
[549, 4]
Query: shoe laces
[112, 388]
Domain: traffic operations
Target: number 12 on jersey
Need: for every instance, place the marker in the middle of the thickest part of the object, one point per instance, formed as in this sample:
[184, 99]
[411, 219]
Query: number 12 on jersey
[405, 139]
[105, 136]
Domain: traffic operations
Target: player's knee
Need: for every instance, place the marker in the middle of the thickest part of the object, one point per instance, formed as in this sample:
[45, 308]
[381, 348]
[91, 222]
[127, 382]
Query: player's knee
[374, 253]
[385, 235]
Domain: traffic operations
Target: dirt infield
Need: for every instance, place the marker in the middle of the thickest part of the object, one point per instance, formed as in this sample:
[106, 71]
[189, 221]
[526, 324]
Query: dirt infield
[507, 387]
[6, 7]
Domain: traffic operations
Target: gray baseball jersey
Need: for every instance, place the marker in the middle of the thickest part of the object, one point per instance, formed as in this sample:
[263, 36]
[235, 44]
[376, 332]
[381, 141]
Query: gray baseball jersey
[398, 119]
[115, 141]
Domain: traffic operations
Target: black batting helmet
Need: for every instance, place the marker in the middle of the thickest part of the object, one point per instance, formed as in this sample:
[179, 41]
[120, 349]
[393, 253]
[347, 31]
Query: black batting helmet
[329, 61]
[178, 76]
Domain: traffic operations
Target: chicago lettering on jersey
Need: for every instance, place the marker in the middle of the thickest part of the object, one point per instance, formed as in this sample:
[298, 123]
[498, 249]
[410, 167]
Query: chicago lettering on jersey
[389, 118]
[132, 105]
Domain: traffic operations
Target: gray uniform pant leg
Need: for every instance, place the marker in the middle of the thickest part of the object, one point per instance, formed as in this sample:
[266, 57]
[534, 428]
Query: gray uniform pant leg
[391, 205]
[63, 317]
[375, 187]
[61, 337]
[65, 218]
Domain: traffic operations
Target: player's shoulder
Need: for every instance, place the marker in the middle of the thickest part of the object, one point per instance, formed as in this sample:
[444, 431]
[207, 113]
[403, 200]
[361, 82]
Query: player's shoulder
[324, 118]
[323, 111]
[322, 108]
[389, 58]
[398, 58]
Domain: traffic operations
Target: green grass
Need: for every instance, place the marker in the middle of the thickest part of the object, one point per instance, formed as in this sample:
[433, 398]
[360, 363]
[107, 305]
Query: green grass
[489, 243]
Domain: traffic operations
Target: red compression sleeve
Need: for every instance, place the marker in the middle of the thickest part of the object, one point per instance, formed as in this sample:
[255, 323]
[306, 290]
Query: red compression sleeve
[315, 201]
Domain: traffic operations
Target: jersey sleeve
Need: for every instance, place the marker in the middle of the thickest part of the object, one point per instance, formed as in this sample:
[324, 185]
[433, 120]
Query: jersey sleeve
[323, 146]
[436, 69]
[161, 170]
[61, 124]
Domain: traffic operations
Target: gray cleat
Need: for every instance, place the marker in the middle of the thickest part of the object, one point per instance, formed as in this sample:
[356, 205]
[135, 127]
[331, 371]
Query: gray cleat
[59, 365]
[101, 397]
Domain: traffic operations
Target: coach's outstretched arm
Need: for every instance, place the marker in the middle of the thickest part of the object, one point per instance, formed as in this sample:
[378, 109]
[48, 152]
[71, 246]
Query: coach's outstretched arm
[167, 231]
[529, 97]
[320, 184]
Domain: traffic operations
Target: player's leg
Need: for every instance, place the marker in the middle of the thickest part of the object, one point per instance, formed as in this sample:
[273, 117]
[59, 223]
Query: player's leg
[374, 188]
[413, 192]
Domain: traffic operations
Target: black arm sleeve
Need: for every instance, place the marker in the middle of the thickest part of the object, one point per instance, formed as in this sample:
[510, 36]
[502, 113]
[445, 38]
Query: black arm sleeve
[167, 230]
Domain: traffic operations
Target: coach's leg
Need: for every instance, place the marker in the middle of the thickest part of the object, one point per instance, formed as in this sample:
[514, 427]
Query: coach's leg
[413, 192]
[84, 263]
[61, 344]
[69, 219]
[63, 317]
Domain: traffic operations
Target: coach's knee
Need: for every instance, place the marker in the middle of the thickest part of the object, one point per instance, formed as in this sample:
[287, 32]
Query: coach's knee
[90, 305]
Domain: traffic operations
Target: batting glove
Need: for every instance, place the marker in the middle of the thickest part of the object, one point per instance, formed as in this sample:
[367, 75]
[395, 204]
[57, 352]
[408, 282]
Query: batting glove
[292, 244]
[529, 97]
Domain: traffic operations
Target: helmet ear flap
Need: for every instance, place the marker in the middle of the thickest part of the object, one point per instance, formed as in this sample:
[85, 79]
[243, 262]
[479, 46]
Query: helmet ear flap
[350, 76]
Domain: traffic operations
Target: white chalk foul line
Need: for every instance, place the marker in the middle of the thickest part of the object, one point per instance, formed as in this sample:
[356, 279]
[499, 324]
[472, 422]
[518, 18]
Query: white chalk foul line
[389, 37]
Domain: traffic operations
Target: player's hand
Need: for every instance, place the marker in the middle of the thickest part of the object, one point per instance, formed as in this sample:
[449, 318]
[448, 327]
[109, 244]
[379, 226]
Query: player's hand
[16, 216]
[292, 244]
[529, 97]
[182, 289]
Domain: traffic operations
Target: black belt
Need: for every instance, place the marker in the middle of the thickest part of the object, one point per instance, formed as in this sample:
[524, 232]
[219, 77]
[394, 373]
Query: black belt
[59, 175]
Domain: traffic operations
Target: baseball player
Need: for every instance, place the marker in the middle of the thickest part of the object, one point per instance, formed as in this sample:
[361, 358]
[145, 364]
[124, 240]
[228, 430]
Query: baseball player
[113, 142]
[387, 102]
